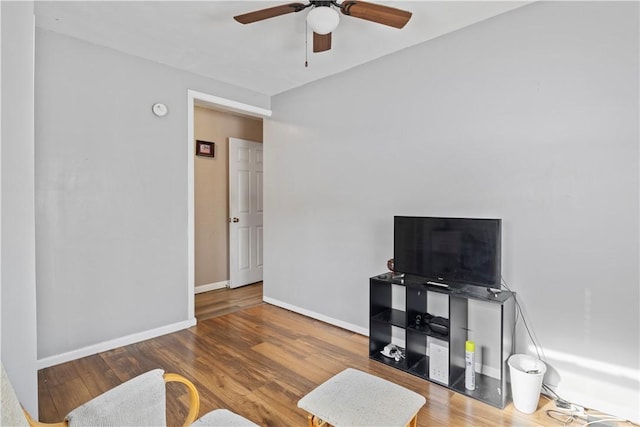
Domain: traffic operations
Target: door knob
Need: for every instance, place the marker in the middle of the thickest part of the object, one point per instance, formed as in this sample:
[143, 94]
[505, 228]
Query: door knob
[234, 219]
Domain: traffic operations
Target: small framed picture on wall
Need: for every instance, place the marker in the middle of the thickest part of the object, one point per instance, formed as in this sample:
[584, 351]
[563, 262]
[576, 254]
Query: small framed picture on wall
[204, 148]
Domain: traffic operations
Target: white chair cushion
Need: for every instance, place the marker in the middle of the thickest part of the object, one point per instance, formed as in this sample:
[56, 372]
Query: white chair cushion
[137, 402]
[10, 411]
[222, 418]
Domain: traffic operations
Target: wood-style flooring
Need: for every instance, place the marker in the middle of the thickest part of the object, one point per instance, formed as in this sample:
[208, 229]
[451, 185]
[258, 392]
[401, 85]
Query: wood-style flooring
[224, 301]
[256, 360]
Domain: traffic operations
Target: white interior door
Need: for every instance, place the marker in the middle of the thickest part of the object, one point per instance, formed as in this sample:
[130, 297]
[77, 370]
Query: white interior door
[245, 212]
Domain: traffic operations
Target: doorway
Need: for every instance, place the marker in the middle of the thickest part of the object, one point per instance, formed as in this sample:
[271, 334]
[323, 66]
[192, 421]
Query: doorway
[231, 119]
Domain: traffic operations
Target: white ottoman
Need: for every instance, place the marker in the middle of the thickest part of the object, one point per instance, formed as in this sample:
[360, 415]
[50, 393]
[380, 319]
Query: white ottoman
[355, 398]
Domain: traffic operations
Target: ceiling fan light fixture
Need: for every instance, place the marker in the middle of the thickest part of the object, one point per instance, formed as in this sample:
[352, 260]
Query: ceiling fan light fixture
[323, 20]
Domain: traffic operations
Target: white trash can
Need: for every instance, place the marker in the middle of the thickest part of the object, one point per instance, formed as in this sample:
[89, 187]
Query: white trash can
[526, 381]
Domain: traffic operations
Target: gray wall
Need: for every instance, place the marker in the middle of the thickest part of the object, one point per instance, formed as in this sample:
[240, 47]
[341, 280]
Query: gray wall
[111, 192]
[17, 261]
[531, 117]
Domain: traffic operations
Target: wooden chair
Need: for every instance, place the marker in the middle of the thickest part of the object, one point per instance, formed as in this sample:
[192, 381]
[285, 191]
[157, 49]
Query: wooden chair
[140, 401]
[194, 402]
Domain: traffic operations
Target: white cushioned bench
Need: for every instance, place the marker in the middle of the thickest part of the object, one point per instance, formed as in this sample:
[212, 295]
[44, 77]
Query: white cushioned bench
[356, 398]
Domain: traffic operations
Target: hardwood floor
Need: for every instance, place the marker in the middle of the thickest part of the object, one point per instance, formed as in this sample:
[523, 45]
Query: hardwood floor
[224, 301]
[257, 361]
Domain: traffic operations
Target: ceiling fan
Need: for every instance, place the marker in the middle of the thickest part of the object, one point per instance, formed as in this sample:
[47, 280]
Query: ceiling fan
[323, 18]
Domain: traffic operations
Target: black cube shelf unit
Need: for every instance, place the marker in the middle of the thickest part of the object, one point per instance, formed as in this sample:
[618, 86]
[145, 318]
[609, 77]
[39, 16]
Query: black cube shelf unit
[492, 389]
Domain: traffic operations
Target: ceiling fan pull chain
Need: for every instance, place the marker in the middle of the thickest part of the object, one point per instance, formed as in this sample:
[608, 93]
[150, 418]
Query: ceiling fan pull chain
[306, 41]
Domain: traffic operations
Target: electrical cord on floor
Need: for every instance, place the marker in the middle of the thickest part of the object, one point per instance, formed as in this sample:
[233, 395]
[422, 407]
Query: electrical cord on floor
[568, 412]
[559, 401]
[562, 417]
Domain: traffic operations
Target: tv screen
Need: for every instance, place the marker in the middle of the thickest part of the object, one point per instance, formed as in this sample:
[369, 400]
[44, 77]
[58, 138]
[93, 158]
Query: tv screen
[449, 250]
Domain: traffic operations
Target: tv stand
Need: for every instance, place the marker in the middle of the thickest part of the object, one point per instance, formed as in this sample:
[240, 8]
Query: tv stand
[487, 318]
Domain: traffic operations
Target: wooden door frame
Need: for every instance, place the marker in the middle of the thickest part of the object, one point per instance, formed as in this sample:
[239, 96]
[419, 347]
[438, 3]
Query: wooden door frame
[195, 98]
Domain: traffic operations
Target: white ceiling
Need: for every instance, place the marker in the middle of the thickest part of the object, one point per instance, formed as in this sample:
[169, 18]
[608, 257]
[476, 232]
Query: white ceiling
[267, 56]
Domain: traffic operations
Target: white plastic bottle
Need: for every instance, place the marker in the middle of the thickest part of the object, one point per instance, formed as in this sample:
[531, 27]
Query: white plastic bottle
[469, 365]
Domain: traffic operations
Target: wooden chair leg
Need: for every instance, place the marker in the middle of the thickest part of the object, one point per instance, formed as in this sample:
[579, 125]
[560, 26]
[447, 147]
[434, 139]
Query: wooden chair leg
[413, 422]
[317, 422]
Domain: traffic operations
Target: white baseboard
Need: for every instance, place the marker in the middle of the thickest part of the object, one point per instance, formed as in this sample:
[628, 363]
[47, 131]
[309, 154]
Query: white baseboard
[115, 343]
[211, 287]
[344, 325]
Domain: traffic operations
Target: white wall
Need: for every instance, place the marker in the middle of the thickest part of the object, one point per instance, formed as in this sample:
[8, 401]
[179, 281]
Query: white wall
[111, 195]
[17, 262]
[531, 117]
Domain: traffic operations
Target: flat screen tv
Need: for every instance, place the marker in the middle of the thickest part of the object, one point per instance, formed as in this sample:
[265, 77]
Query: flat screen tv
[449, 250]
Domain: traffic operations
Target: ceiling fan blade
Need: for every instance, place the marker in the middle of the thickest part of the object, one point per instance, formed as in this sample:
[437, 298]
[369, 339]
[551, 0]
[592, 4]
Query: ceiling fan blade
[269, 12]
[321, 42]
[385, 15]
